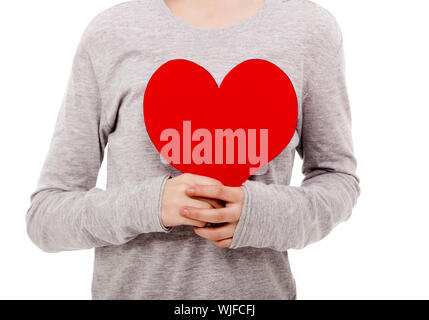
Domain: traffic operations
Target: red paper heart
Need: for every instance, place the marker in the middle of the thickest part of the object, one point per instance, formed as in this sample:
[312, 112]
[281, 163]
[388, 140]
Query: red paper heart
[256, 95]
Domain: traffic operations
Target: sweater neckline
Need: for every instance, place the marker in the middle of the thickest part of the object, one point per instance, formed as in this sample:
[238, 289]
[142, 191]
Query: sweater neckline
[167, 14]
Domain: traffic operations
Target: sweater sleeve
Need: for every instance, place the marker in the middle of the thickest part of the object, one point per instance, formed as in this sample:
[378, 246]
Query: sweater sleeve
[284, 217]
[67, 211]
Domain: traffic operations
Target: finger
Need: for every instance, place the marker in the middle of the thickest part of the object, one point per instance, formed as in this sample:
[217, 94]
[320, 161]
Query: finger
[212, 202]
[195, 203]
[194, 223]
[227, 214]
[228, 194]
[225, 243]
[216, 234]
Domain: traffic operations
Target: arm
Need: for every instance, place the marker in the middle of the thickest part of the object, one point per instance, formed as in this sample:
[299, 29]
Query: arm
[67, 212]
[284, 217]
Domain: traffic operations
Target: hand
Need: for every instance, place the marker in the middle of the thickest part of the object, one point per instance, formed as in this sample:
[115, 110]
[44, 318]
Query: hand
[228, 216]
[174, 198]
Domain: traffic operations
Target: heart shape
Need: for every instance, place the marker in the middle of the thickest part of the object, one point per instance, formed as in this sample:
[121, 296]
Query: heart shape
[225, 132]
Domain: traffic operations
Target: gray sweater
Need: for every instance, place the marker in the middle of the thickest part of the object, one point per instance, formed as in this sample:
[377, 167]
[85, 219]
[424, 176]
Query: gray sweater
[135, 256]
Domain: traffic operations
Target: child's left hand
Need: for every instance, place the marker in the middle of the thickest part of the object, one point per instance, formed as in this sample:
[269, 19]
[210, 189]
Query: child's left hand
[228, 216]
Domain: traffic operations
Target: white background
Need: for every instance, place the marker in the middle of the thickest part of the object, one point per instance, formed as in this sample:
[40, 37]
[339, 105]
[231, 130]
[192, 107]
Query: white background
[380, 253]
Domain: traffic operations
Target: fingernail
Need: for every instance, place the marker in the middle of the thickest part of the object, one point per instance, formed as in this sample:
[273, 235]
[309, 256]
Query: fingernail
[185, 211]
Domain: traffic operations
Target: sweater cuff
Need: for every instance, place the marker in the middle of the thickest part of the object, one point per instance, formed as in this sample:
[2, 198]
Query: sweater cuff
[159, 208]
[150, 211]
[239, 238]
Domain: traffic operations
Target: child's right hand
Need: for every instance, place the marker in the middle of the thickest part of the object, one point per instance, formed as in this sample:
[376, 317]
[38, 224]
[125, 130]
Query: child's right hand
[174, 199]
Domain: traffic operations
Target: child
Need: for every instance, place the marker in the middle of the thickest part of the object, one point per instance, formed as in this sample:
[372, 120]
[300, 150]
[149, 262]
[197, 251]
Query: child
[161, 234]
